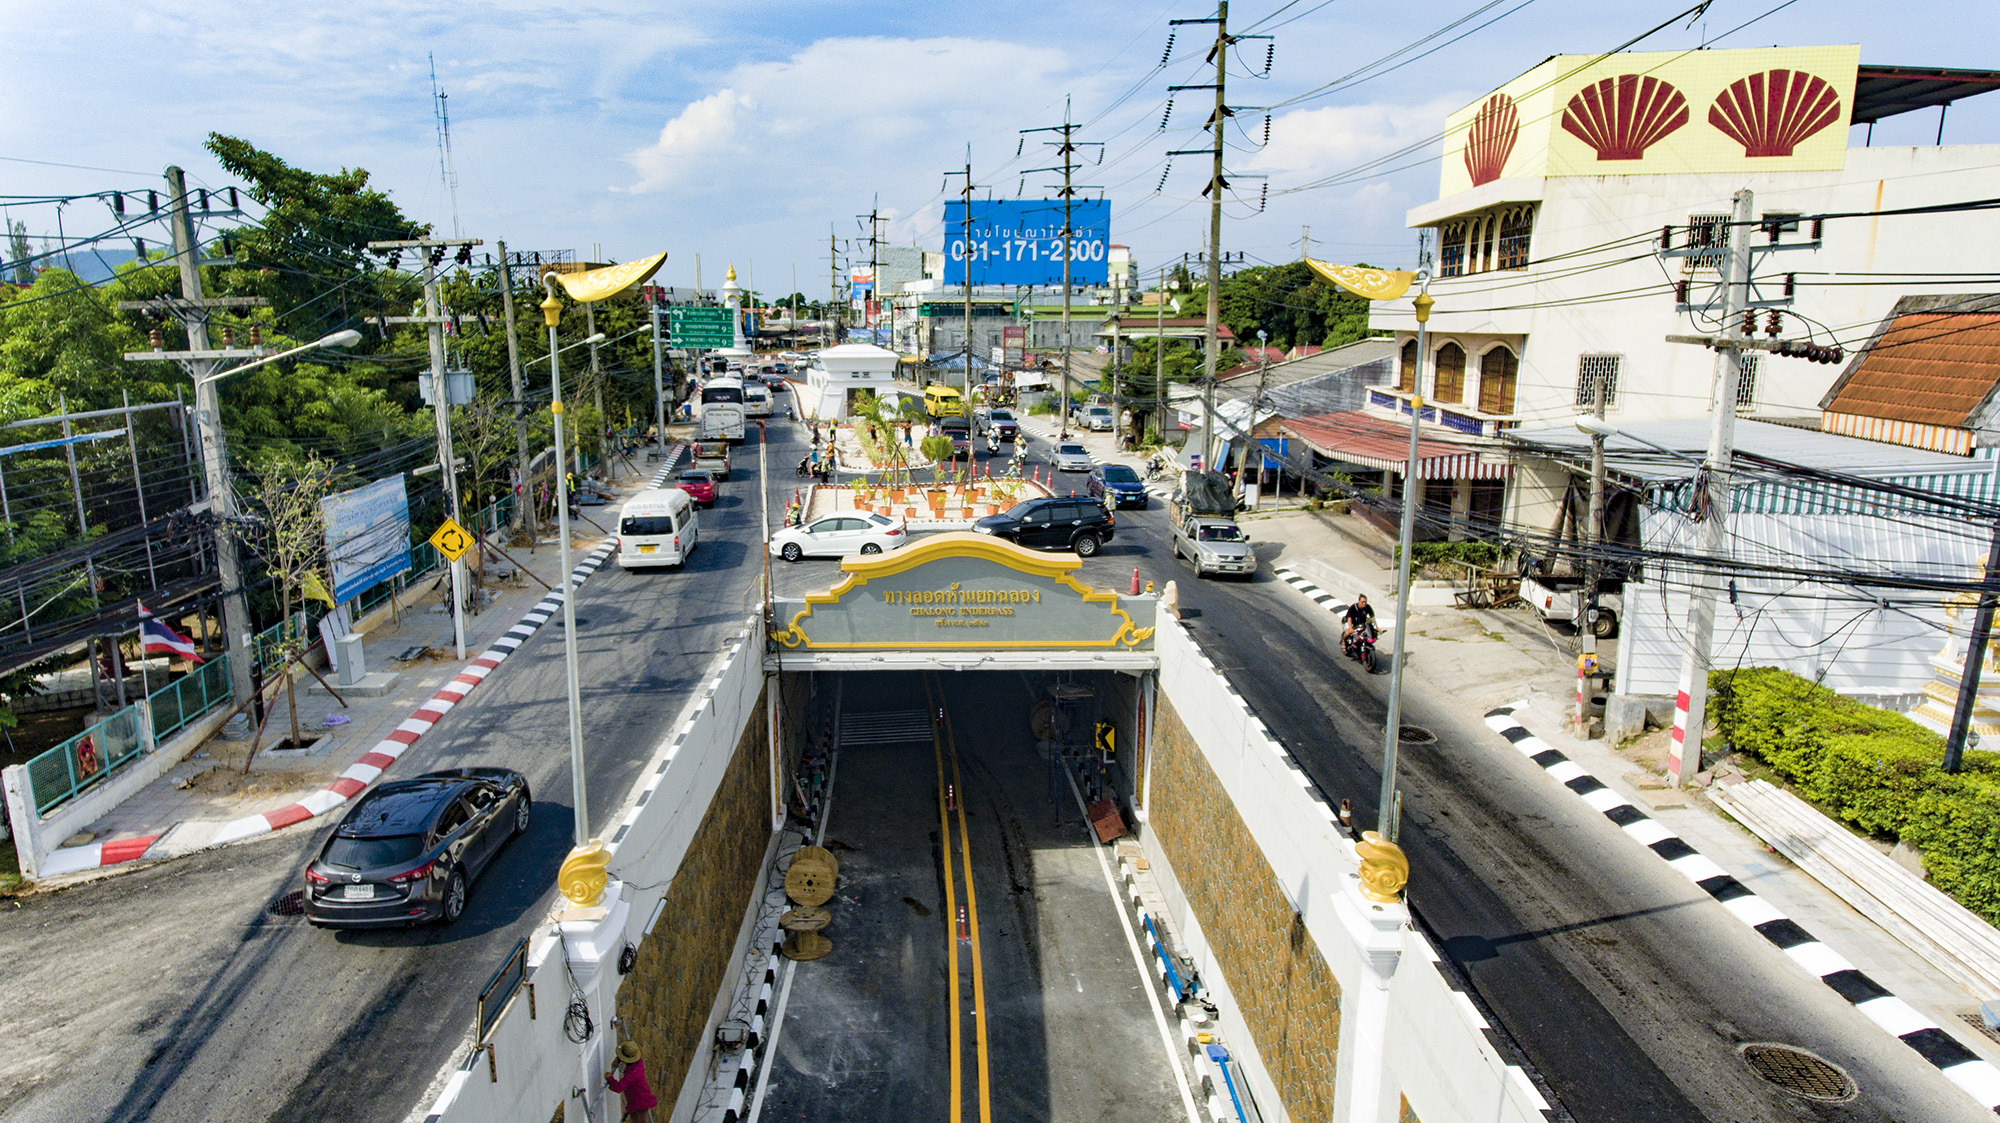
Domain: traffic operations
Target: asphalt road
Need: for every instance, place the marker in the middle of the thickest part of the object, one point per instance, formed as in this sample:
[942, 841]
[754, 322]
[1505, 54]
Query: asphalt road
[1628, 990]
[174, 993]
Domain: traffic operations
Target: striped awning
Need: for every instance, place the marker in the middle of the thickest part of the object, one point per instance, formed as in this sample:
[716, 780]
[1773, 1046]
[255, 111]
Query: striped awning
[1357, 437]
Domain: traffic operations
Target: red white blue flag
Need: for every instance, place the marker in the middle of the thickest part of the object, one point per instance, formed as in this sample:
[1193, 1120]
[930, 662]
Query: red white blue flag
[156, 638]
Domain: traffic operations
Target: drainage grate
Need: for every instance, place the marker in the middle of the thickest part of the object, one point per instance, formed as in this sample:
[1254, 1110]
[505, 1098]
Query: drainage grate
[1416, 735]
[1799, 1072]
[291, 904]
[1973, 1019]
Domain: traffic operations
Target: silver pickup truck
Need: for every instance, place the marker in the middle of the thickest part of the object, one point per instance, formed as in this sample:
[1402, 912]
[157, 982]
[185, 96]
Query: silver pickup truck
[1215, 544]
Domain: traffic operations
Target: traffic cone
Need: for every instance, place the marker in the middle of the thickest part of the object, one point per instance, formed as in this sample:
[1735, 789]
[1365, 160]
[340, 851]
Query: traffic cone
[1135, 580]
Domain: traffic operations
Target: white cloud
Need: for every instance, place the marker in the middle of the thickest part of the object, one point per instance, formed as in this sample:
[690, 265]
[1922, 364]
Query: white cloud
[707, 131]
[1307, 143]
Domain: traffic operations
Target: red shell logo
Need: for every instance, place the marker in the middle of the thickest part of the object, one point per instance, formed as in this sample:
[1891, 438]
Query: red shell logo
[1622, 117]
[1491, 139]
[1771, 113]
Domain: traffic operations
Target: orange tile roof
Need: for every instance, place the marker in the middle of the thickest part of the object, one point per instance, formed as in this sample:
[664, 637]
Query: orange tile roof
[1927, 367]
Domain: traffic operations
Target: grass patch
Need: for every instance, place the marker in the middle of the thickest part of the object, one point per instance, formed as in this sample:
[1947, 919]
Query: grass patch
[11, 881]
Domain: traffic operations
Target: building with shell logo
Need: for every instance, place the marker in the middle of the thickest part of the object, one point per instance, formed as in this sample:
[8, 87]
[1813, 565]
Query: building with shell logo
[1555, 193]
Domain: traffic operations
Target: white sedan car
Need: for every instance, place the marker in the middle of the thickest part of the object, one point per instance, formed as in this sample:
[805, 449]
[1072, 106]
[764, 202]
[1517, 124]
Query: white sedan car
[1070, 457]
[839, 536]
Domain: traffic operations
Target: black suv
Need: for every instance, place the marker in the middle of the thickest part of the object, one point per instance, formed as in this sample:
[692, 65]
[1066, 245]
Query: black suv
[407, 851]
[1080, 524]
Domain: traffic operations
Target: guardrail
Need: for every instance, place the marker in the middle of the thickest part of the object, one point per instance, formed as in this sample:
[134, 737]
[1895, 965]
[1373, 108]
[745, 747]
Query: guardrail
[85, 759]
[186, 699]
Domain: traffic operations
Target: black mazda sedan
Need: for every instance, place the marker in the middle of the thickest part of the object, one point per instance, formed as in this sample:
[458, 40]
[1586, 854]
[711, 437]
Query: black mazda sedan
[407, 851]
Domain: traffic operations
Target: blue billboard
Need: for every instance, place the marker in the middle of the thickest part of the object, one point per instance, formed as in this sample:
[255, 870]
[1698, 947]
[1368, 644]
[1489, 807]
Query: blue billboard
[1020, 242]
[367, 535]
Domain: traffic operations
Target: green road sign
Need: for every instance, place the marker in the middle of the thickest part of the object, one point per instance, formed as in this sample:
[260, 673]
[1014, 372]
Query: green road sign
[700, 327]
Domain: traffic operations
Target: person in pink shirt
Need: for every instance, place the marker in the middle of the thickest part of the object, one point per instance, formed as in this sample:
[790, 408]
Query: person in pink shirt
[628, 1079]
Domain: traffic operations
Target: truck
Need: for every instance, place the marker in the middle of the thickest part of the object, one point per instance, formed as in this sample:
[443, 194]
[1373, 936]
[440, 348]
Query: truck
[714, 456]
[1555, 598]
[1201, 519]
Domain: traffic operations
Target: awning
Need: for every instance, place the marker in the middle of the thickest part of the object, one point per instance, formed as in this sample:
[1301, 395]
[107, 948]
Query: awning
[1376, 442]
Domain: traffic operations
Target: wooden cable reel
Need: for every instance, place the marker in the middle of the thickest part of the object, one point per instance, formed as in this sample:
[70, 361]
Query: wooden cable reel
[809, 882]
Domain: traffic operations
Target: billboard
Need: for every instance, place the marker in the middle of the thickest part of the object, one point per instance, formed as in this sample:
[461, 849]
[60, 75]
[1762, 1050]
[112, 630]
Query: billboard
[1658, 113]
[1020, 242]
[367, 535]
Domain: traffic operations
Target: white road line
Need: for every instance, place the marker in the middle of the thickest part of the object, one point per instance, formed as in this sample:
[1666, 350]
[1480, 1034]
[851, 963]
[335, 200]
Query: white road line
[1139, 961]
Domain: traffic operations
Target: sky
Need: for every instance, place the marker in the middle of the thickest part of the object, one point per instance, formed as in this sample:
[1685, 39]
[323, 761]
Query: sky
[751, 132]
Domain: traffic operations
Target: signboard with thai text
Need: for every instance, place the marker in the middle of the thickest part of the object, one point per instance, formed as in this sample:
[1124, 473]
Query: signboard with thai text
[367, 535]
[1020, 242]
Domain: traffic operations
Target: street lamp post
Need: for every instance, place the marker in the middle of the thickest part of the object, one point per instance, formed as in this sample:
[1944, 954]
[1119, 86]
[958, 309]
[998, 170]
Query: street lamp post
[1388, 284]
[551, 315]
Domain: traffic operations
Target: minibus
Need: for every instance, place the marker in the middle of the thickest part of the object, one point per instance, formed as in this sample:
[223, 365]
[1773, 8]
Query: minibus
[658, 526]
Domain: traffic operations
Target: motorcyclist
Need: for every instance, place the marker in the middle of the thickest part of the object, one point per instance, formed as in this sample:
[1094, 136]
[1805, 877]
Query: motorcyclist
[992, 442]
[1358, 615]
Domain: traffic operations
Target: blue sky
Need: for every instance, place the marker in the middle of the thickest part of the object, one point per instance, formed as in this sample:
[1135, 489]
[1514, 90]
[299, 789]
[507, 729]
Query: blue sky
[748, 132]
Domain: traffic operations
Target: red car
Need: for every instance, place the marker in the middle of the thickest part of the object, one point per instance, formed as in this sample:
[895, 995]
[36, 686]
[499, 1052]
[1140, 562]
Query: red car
[699, 485]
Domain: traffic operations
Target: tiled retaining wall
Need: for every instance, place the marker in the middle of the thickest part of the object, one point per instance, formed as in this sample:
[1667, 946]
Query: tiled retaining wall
[667, 999]
[1286, 992]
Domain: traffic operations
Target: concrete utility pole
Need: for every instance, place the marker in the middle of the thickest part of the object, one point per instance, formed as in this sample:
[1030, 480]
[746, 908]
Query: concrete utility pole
[659, 379]
[835, 312]
[1160, 357]
[597, 397]
[1216, 184]
[1066, 148]
[1712, 497]
[1586, 607]
[966, 258]
[201, 362]
[525, 505]
[434, 321]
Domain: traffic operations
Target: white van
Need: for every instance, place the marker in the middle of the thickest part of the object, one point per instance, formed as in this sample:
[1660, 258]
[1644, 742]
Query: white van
[756, 398]
[657, 527]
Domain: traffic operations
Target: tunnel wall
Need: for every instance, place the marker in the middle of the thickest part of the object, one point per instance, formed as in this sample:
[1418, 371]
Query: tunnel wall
[1335, 1006]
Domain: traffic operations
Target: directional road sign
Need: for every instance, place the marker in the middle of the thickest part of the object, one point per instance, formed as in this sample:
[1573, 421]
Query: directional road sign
[700, 327]
[452, 540]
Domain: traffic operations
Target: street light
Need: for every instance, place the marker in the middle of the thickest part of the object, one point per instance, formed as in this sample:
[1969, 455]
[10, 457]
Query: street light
[1598, 427]
[1391, 284]
[552, 315]
[344, 338]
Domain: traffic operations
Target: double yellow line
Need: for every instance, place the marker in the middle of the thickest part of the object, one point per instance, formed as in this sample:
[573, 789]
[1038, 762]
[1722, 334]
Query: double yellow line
[943, 744]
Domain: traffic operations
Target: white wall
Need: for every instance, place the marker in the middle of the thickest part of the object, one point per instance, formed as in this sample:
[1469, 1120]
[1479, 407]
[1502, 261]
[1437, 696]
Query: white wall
[647, 840]
[1403, 1030]
[1580, 218]
[1835, 634]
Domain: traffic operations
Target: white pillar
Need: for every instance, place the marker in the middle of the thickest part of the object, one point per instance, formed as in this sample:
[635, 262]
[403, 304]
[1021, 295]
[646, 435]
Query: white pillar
[1376, 930]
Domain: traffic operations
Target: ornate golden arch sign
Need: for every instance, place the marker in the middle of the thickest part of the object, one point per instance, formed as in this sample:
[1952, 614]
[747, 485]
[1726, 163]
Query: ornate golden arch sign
[965, 591]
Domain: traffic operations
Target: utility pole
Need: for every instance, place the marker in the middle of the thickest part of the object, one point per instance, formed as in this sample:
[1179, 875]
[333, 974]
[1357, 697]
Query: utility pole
[1975, 661]
[1160, 357]
[597, 392]
[874, 220]
[1593, 572]
[659, 379]
[834, 310]
[434, 321]
[1712, 497]
[966, 258]
[526, 503]
[1066, 148]
[1217, 184]
[201, 362]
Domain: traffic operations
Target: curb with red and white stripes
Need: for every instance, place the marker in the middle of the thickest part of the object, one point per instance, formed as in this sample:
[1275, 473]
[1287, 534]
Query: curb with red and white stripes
[1979, 1078]
[377, 760]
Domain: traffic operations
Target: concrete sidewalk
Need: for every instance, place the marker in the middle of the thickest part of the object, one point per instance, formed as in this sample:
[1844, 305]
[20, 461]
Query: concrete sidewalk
[186, 807]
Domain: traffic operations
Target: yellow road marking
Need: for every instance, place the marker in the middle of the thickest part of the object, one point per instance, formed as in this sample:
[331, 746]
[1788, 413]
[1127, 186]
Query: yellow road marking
[972, 916]
[950, 914]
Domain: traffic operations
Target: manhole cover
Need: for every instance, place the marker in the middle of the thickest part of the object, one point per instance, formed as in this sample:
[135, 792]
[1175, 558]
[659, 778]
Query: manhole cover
[291, 904]
[1799, 1072]
[1415, 735]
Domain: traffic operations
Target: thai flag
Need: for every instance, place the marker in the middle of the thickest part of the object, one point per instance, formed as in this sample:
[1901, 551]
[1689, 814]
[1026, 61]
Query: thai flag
[158, 639]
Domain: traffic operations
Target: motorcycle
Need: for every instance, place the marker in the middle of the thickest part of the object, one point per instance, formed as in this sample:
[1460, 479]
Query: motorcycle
[1359, 645]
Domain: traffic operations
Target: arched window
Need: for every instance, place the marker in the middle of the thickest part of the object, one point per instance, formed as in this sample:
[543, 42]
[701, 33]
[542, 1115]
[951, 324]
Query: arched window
[1450, 373]
[1406, 376]
[1497, 371]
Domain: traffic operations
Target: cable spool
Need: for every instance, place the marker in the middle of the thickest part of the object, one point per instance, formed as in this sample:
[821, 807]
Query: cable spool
[809, 880]
[1048, 722]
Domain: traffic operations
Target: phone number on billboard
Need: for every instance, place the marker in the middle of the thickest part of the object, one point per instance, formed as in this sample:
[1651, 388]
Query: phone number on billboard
[1029, 249]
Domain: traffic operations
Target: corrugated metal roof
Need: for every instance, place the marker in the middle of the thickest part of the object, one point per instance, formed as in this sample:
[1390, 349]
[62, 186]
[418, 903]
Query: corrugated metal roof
[1931, 368]
[1805, 447]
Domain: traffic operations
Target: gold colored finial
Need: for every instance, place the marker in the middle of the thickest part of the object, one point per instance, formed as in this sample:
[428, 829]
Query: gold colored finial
[732, 272]
[583, 875]
[552, 310]
[1384, 868]
[1423, 303]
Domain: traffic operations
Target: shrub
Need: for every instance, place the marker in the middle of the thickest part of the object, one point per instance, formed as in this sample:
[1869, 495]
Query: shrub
[1876, 769]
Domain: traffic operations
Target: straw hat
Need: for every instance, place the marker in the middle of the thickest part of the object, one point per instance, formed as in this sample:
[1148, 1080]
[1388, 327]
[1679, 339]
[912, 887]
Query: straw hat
[628, 1051]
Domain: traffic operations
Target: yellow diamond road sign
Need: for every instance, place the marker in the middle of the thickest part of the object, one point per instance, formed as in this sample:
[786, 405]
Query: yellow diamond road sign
[452, 540]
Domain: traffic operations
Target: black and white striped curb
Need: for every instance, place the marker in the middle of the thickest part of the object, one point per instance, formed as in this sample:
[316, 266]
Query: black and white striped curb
[1959, 1064]
[1313, 592]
